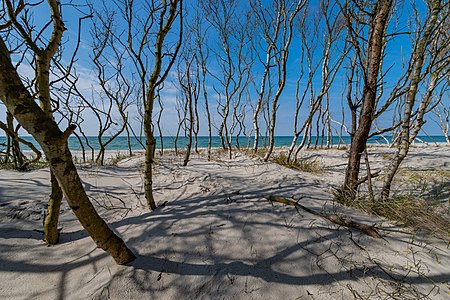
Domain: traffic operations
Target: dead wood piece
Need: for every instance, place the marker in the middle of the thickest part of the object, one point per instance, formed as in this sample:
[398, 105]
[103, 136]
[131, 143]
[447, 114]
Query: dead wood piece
[365, 178]
[337, 219]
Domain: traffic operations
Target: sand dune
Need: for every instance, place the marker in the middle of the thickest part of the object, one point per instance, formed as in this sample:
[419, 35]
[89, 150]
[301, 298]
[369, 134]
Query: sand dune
[216, 236]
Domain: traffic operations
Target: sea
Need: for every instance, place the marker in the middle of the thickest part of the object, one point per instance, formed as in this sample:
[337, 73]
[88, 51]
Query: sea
[121, 142]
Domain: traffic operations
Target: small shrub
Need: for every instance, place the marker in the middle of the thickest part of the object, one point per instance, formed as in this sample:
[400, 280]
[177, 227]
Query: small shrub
[250, 152]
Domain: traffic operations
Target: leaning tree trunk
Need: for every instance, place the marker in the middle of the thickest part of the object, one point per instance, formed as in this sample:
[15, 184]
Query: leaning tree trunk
[53, 142]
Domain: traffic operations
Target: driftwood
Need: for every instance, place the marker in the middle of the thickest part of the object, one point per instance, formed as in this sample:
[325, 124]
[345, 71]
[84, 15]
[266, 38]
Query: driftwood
[337, 219]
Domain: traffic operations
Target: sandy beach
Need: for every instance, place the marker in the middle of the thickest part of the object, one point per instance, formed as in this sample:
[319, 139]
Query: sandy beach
[216, 236]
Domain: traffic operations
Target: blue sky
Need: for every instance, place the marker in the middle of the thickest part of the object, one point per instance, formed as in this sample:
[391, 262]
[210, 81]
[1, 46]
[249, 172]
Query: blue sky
[396, 50]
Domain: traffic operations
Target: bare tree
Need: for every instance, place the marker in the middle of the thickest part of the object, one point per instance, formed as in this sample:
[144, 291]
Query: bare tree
[158, 120]
[231, 23]
[167, 16]
[13, 150]
[202, 57]
[39, 122]
[189, 81]
[432, 41]
[147, 25]
[13, 141]
[271, 35]
[116, 88]
[330, 62]
[277, 24]
[182, 110]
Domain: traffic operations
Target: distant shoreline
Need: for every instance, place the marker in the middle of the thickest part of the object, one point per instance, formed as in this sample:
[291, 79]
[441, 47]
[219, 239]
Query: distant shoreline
[121, 142]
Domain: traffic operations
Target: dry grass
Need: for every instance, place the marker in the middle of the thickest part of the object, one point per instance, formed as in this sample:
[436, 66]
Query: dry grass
[425, 208]
[249, 151]
[117, 158]
[386, 156]
[9, 164]
[429, 184]
[431, 176]
[422, 215]
[305, 165]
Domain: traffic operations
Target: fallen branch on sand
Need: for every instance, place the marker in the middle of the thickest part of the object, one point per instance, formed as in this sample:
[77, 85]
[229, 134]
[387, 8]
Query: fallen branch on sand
[337, 219]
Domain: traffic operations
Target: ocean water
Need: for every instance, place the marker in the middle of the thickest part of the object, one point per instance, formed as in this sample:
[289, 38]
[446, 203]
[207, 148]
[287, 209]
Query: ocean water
[121, 142]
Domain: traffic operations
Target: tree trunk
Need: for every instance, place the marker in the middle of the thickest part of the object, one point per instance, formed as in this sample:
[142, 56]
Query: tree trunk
[12, 135]
[51, 233]
[18, 156]
[150, 147]
[374, 53]
[155, 80]
[408, 136]
[191, 125]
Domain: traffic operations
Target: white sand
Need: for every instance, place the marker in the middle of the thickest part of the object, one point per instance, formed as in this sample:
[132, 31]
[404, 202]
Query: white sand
[217, 237]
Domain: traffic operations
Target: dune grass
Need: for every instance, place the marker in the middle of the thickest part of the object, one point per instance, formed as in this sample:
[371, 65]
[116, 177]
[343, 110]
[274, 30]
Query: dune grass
[305, 165]
[422, 215]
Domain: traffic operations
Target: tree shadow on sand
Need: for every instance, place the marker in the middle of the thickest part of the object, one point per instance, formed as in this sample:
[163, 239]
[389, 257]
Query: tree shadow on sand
[230, 242]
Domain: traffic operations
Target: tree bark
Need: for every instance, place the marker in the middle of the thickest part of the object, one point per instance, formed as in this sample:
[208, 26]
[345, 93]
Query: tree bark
[51, 233]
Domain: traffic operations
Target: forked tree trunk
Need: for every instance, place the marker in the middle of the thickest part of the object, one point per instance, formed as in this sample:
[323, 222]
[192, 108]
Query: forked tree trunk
[156, 79]
[19, 101]
[375, 46]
